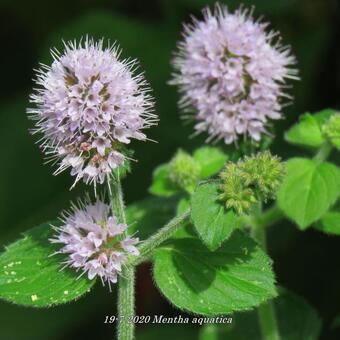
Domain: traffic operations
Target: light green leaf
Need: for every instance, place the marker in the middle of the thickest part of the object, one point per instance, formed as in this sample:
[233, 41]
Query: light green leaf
[30, 276]
[330, 223]
[297, 320]
[161, 185]
[323, 116]
[210, 159]
[238, 276]
[212, 221]
[306, 132]
[308, 190]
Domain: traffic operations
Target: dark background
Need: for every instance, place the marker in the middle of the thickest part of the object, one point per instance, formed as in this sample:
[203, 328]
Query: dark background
[307, 263]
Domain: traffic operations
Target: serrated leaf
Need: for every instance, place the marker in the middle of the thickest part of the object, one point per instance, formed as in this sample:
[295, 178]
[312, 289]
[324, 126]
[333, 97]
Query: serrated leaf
[212, 221]
[297, 320]
[306, 132]
[161, 185]
[308, 190]
[30, 276]
[238, 276]
[210, 159]
[330, 223]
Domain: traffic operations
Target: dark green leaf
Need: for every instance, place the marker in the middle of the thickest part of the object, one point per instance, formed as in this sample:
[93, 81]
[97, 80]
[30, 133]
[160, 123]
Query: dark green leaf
[149, 215]
[161, 185]
[308, 190]
[212, 221]
[238, 276]
[30, 276]
[297, 320]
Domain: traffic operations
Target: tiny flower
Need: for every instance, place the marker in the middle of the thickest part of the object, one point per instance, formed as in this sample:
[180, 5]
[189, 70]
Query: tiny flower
[184, 171]
[250, 180]
[331, 130]
[88, 105]
[94, 241]
[231, 74]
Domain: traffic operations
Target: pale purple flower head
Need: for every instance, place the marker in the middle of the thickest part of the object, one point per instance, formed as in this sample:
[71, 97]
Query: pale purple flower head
[88, 105]
[231, 74]
[94, 241]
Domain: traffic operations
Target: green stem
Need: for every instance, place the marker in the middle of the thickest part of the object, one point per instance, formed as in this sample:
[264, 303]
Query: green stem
[323, 152]
[270, 216]
[159, 237]
[126, 282]
[117, 200]
[266, 311]
[126, 303]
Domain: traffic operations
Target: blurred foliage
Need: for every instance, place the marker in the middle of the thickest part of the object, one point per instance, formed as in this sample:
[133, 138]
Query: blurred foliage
[148, 30]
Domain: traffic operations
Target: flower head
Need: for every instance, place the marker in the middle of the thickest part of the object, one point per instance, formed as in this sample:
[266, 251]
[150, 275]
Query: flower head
[94, 241]
[252, 179]
[89, 104]
[231, 74]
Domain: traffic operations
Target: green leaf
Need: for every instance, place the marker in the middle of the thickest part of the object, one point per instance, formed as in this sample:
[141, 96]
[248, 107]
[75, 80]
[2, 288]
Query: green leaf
[297, 320]
[306, 132]
[238, 276]
[30, 276]
[161, 185]
[210, 159]
[323, 116]
[212, 221]
[186, 230]
[330, 223]
[308, 190]
[150, 214]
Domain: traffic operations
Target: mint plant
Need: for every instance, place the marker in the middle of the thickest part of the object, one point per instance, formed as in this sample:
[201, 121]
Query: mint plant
[204, 224]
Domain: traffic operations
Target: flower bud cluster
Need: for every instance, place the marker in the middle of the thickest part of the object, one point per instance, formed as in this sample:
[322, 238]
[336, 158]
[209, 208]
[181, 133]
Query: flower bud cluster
[250, 180]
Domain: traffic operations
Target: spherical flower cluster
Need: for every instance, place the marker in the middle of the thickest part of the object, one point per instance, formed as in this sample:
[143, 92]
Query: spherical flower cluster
[252, 179]
[88, 106]
[231, 74]
[94, 241]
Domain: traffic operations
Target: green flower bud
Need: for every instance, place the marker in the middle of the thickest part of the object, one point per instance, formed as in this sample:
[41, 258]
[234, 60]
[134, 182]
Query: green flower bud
[252, 179]
[184, 171]
[264, 172]
[234, 191]
[331, 130]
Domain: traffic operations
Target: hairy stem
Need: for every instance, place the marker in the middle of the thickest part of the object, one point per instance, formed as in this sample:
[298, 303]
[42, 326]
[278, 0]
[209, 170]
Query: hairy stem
[126, 281]
[117, 200]
[159, 237]
[266, 311]
[126, 304]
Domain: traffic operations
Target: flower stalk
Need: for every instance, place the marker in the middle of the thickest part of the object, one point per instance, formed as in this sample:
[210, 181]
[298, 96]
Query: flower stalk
[266, 311]
[126, 282]
[126, 304]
